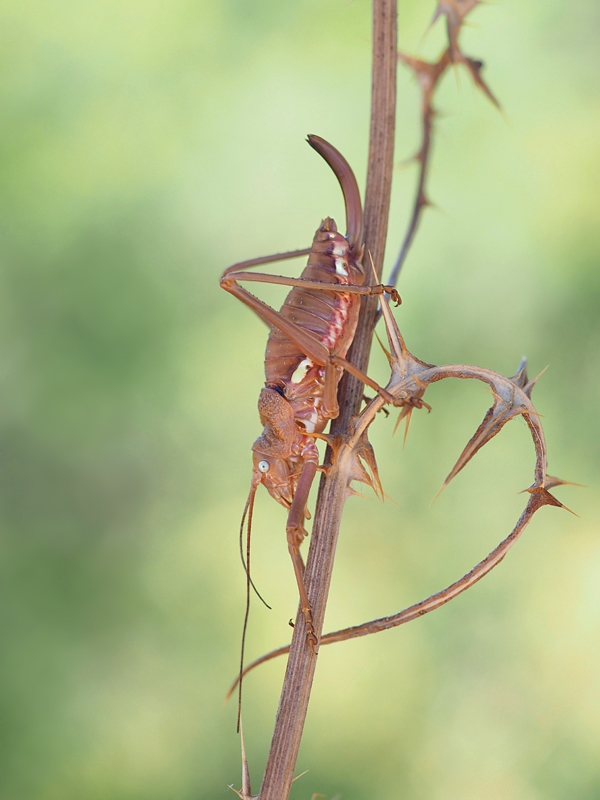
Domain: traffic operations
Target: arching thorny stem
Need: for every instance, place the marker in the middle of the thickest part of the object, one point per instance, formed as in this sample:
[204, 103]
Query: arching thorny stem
[412, 612]
[428, 75]
[408, 383]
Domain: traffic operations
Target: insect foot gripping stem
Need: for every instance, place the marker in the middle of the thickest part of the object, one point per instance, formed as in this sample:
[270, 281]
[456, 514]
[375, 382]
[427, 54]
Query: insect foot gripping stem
[383, 288]
[295, 535]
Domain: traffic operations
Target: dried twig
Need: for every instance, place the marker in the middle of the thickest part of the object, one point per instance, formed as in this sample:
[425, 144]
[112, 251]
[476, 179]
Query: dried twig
[410, 378]
[333, 490]
[455, 12]
[417, 609]
[428, 75]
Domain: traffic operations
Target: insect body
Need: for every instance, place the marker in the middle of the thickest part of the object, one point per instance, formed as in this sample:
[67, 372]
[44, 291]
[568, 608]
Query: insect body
[305, 358]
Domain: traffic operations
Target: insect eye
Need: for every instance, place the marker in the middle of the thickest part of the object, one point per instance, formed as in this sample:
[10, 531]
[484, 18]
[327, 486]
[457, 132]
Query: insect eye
[263, 466]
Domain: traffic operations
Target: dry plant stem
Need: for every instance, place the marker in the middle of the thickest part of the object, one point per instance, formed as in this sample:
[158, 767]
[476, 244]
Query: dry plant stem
[333, 491]
[427, 114]
[377, 196]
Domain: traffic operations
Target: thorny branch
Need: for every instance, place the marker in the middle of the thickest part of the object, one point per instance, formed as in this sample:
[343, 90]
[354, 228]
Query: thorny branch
[410, 378]
[350, 456]
[429, 75]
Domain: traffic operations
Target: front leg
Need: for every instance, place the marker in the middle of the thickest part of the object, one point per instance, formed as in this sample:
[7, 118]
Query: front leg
[295, 535]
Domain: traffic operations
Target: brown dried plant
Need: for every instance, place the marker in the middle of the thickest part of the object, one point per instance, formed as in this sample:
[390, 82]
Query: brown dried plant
[429, 75]
[408, 383]
[350, 456]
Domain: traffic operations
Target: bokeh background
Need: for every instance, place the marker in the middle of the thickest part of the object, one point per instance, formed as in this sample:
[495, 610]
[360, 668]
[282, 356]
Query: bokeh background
[147, 144]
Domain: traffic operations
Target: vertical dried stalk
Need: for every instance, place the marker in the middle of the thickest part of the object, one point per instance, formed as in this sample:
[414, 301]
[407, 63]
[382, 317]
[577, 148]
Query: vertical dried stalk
[377, 196]
[333, 490]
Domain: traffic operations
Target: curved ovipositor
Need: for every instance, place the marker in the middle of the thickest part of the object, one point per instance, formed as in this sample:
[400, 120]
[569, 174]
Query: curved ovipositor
[350, 190]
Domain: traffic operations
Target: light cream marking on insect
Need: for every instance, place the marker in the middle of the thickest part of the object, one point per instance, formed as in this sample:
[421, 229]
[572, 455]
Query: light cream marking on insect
[340, 267]
[310, 423]
[301, 370]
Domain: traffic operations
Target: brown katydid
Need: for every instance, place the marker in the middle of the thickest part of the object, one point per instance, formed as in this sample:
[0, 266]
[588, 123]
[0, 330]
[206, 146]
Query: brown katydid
[305, 359]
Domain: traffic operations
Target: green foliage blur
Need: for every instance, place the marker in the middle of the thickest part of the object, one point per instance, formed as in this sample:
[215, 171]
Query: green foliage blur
[145, 146]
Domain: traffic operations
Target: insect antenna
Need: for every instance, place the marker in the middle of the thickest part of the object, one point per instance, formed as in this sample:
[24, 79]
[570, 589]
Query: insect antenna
[248, 508]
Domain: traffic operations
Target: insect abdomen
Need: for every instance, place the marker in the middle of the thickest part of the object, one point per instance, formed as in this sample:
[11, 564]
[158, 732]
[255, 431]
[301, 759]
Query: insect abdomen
[330, 316]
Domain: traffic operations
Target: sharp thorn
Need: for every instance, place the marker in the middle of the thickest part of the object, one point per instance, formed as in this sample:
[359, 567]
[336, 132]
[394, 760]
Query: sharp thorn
[391, 499]
[440, 490]
[404, 413]
[383, 347]
[354, 493]
[408, 419]
[246, 790]
[299, 776]
[552, 481]
[372, 263]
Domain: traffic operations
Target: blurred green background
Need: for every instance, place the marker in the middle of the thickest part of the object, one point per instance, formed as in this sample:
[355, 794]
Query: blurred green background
[147, 144]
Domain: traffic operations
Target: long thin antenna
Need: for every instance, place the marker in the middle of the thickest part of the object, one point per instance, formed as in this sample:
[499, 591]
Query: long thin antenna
[249, 501]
